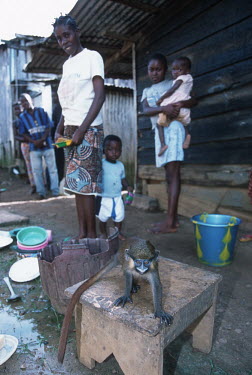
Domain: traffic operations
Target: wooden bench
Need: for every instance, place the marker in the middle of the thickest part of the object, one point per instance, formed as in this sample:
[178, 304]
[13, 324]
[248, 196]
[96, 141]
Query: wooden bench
[132, 333]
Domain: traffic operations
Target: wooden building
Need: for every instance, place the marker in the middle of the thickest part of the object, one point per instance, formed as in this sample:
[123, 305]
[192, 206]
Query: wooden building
[216, 36]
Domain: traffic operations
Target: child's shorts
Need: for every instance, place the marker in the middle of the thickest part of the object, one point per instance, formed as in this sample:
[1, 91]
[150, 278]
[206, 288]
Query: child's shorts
[111, 208]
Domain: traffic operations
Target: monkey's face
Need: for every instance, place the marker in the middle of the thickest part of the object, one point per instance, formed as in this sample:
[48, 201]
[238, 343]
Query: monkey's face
[142, 265]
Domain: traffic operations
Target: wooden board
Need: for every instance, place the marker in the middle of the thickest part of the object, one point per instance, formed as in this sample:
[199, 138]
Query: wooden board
[203, 175]
[231, 152]
[210, 24]
[217, 36]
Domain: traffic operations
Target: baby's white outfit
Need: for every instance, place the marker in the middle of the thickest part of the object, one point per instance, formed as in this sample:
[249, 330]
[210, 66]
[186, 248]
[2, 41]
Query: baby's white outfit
[182, 93]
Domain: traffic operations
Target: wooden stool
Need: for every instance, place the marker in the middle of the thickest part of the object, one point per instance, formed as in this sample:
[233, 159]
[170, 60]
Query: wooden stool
[132, 333]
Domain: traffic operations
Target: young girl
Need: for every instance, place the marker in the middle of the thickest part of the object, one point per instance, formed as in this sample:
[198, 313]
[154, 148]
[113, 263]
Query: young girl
[112, 205]
[180, 90]
[174, 135]
[81, 95]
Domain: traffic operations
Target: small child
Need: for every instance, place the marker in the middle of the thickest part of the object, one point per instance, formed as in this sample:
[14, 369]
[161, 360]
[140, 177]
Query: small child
[112, 205]
[180, 90]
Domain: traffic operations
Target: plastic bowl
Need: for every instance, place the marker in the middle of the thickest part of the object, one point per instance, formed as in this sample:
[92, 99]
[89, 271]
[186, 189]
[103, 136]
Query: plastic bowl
[32, 236]
[32, 248]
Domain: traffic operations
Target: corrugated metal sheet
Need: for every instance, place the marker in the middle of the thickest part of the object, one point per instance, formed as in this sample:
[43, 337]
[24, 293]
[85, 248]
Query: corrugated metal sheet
[6, 131]
[119, 119]
[108, 26]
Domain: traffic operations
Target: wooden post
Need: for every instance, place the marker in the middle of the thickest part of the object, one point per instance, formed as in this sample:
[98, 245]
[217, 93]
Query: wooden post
[135, 107]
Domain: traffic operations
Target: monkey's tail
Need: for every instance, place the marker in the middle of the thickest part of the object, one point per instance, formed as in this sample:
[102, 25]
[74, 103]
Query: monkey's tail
[70, 308]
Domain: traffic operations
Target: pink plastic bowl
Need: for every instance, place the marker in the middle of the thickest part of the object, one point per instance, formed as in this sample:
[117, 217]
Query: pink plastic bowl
[37, 247]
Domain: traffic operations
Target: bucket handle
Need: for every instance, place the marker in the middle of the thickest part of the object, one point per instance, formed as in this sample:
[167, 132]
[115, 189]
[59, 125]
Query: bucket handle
[228, 224]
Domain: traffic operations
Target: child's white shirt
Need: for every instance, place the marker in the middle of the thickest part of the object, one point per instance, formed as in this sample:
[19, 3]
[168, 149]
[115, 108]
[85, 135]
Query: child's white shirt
[113, 173]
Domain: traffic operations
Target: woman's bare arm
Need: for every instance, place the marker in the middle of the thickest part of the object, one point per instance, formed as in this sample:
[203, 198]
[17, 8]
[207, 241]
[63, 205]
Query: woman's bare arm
[60, 129]
[170, 110]
[192, 102]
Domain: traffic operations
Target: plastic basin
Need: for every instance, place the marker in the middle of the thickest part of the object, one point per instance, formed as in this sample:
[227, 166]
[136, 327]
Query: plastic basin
[32, 248]
[32, 236]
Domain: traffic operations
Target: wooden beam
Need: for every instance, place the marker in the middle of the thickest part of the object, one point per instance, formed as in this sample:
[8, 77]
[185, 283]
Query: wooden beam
[138, 5]
[12, 46]
[43, 70]
[52, 51]
[95, 46]
[125, 50]
[117, 36]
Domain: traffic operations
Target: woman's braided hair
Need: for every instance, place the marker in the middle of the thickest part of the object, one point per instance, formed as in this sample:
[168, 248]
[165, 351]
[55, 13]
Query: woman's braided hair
[66, 21]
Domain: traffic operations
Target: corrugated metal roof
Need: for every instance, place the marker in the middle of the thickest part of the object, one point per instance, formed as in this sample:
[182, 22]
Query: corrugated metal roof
[108, 26]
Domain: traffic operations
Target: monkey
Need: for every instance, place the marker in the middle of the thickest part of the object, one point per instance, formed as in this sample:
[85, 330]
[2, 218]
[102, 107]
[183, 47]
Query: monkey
[140, 261]
[138, 257]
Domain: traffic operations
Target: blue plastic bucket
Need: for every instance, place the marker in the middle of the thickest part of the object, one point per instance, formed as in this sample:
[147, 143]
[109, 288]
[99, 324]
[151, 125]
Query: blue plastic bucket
[215, 237]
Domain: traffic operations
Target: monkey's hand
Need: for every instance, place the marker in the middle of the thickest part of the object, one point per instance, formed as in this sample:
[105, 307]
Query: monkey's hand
[122, 300]
[164, 317]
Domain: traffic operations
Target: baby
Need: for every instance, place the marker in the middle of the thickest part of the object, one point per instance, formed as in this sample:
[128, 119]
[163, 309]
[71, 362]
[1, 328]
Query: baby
[180, 90]
[111, 204]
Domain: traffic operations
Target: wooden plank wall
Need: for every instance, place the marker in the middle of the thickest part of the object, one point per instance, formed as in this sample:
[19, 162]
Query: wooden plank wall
[217, 37]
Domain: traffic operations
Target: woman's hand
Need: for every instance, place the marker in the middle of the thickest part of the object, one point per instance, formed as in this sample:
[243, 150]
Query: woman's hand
[178, 105]
[130, 189]
[56, 136]
[78, 136]
[171, 110]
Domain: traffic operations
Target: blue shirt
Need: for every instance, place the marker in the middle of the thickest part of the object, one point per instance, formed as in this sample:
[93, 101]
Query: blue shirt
[35, 126]
[113, 173]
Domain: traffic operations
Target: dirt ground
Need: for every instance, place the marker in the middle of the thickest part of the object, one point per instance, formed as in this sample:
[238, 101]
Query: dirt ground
[37, 326]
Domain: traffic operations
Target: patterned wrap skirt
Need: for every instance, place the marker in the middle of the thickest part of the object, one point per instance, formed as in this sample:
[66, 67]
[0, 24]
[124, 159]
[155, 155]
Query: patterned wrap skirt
[84, 162]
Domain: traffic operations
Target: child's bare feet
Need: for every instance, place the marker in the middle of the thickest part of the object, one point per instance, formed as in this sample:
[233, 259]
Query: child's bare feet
[162, 150]
[187, 141]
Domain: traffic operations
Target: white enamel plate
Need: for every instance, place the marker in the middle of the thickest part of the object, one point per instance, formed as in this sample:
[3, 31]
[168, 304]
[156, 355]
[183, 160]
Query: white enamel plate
[24, 270]
[5, 241]
[10, 346]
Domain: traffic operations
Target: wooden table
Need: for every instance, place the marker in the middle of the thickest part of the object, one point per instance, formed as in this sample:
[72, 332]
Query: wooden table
[132, 334]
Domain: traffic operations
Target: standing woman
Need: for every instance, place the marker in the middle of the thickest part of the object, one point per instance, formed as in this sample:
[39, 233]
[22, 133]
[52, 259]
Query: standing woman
[81, 95]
